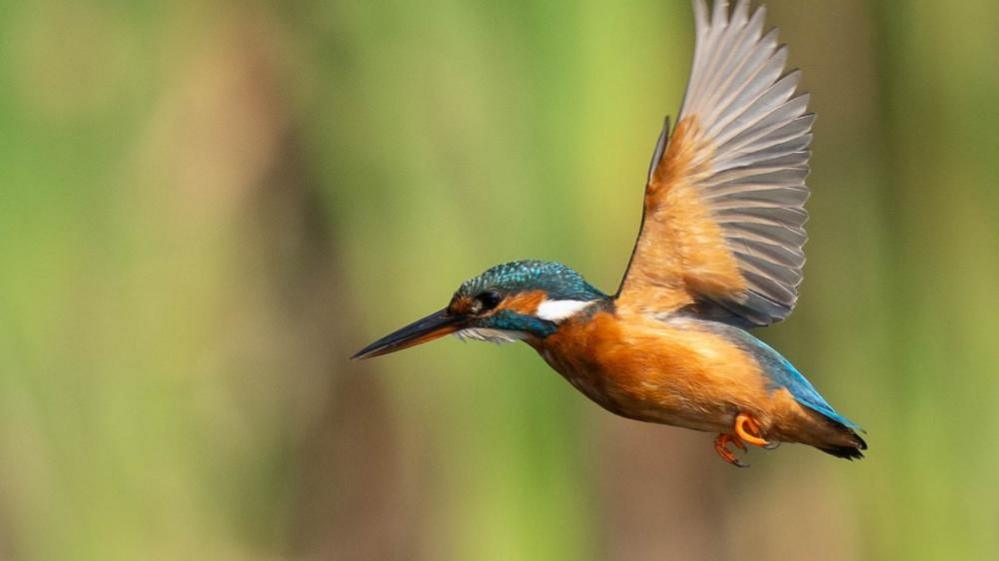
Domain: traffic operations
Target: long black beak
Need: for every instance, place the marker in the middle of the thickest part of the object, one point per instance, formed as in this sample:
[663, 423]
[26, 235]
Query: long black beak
[437, 324]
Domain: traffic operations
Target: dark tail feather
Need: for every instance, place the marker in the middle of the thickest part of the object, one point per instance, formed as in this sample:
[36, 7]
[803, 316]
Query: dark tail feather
[849, 451]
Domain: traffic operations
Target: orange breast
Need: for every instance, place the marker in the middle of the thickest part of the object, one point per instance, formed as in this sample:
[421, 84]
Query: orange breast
[663, 371]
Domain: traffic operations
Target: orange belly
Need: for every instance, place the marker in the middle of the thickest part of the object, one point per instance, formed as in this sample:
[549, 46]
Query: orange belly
[667, 372]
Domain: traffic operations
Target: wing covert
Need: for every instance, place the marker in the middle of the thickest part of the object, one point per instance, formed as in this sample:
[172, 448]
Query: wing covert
[723, 221]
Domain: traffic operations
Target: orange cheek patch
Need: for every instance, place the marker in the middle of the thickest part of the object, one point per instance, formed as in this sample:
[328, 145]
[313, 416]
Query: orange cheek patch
[525, 303]
[460, 306]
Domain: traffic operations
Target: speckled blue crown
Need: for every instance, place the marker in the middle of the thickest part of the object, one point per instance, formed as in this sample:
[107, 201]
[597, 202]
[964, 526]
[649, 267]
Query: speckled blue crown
[559, 281]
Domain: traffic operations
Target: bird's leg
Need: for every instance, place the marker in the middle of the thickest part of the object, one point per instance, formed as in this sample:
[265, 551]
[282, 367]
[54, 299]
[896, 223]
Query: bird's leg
[747, 429]
[721, 446]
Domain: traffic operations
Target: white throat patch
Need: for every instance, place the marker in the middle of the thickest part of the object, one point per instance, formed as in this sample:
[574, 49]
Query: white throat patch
[558, 310]
[549, 310]
[497, 336]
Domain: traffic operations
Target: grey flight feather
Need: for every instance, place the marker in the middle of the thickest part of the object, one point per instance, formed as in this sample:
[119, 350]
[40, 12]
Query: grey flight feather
[759, 137]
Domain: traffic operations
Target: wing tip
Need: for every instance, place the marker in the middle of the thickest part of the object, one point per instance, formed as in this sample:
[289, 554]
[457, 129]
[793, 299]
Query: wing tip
[739, 91]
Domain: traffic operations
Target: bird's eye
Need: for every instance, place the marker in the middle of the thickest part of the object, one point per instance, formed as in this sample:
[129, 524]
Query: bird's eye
[487, 301]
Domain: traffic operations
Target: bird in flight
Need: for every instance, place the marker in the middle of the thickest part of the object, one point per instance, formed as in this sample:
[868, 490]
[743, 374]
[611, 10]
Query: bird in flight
[719, 252]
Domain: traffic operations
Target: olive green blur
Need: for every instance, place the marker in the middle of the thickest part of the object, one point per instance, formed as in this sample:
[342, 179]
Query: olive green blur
[207, 207]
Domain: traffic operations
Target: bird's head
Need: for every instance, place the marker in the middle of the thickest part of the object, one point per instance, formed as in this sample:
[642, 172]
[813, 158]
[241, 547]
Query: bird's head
[509, 302]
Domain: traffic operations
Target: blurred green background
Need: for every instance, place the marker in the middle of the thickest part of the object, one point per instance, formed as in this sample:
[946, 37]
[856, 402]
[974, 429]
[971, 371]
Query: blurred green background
[208, 206]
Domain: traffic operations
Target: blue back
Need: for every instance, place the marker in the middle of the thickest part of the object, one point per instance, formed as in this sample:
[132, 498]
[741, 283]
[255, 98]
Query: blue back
[780, 371]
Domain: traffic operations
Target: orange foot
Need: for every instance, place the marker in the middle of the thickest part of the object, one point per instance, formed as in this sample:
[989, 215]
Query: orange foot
[721, 446]
[747, 430]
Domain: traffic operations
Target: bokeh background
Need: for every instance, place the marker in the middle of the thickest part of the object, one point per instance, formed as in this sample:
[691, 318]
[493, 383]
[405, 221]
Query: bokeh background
[206, 207]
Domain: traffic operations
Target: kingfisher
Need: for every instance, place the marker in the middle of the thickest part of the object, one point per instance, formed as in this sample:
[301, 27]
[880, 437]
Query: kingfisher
[719, 252]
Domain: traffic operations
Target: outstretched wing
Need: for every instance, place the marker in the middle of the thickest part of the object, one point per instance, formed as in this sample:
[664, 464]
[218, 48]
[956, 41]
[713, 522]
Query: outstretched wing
[723, 223]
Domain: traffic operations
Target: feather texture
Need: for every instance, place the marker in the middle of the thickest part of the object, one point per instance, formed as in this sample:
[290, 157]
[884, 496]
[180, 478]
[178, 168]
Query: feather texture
[724, 210]
[498, 336]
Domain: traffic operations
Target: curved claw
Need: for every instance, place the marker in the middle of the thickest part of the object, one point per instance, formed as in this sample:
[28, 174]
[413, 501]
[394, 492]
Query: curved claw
[747, 429]
[721, 446]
